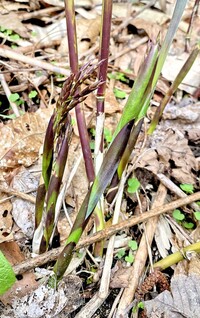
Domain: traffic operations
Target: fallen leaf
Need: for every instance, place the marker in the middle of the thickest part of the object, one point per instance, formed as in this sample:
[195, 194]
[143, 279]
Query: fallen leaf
[49, 302]
[23, 211]
[150, 27]
[6, 221]
[21, 139]
[12, 22]
[192, 80]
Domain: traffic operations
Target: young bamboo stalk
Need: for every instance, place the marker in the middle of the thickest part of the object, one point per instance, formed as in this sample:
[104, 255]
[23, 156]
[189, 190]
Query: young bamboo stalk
[104, 176]
[143, 89]
[55, 154]
[73, 56]
[178, 80]
[100, 97]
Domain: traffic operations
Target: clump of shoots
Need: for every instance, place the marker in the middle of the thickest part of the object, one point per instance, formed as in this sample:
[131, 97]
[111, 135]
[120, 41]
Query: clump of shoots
[55, 153]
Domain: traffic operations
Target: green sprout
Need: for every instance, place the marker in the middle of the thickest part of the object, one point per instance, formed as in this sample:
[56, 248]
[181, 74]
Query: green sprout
[197, 215]
[187, 188]
[121, 253]
[118, 76]
[107, 135]
[133, 185]
[119, 93]
[15, 98]
[130, 257]
[133, 245]
[178, 215]
[188, 225]
[32, 94]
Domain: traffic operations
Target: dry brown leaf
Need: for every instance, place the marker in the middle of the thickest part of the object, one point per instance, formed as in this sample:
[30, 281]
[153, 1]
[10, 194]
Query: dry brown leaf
[192, 80]
[12, 21]
[150, 27]
[23, 211]
[48, 302]
[170, 152]
[21, 139]
[6, 221]
[8, 6]
[120, 276]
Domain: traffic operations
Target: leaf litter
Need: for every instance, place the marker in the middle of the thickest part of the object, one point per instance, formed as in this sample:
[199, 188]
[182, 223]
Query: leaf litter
[172, 150]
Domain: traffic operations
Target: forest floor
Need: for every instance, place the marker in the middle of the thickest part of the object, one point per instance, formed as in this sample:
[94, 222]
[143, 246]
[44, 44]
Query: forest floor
[34, 64]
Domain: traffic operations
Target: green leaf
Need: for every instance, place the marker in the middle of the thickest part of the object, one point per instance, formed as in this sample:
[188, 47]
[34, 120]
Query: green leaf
[8, 32]
[197, 215]
[33, 33]
[92, 145]
[188, 225]
[107, 135]
[32, 94]
[119, 94]
[7, 275]
[130, 257]
[187, 187]
[14, 37]
[141, 305]
[120, 254]
[133, 245]
[133, 185]
[14, 97]
[177, 215]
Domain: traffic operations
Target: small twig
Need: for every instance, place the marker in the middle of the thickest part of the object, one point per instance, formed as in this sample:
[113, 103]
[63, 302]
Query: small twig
[21, 195]
[130, 48]
[52, 255]
[11, 54]
[8, 93]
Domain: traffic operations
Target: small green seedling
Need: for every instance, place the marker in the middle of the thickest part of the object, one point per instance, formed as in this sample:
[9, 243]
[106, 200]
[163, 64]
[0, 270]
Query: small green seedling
[33, 33]
[14, 37]
[133, 245]
[187, 188]
[178, 215]
[140, 305]
[7, 275]
[107, 135]
[133, 185]
[121, 253]
[32, 94]
[119, 93]
[118, 76]
[130, 257]
[15, 98]
[197, 215]
[188, 225]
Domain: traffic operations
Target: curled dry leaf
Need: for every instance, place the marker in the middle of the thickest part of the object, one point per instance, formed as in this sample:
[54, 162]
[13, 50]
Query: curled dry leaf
[150, 28]
[170, 153]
